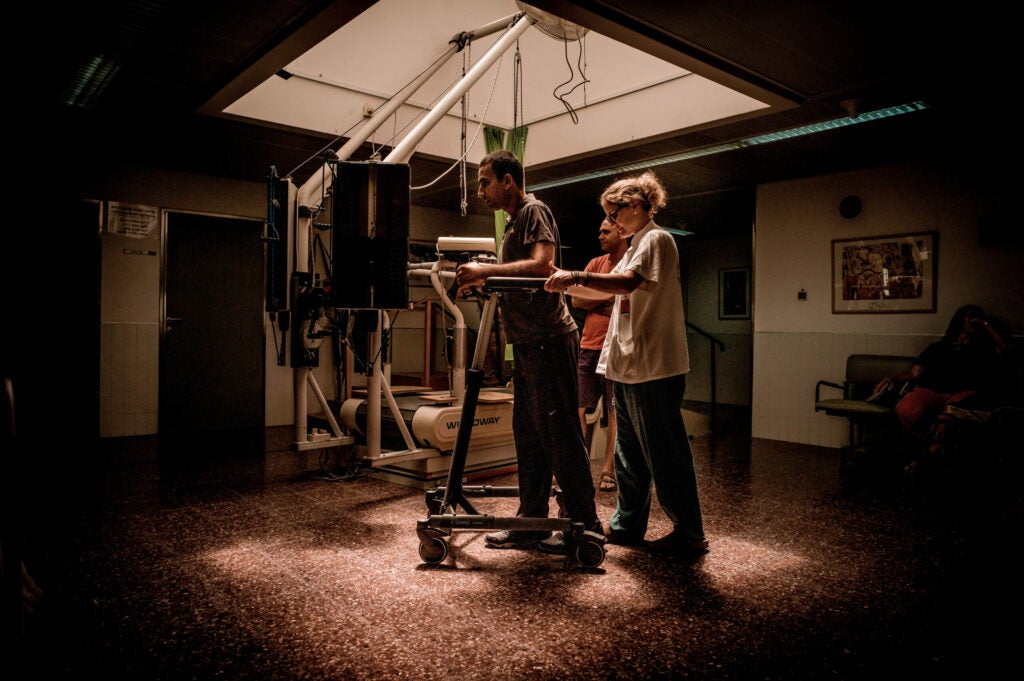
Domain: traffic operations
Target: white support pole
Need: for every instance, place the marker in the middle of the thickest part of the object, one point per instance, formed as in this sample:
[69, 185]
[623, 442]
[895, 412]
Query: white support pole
[316, 183]
[517, 24]
[373, 390]
[404, 149]
[457, 363]
[301, 402]
[324, 404]
[403, 429]
[459, 330]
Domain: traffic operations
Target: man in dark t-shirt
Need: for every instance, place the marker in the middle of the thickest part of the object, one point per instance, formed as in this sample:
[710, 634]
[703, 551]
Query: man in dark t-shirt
[545, 351]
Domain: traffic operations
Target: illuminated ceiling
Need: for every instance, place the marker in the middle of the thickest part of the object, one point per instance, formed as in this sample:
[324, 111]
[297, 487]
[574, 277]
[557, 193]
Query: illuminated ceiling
[191, 87]
[577, 97]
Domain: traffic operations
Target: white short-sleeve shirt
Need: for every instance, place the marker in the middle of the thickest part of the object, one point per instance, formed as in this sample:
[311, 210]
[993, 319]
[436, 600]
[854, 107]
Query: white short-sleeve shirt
[646, 341]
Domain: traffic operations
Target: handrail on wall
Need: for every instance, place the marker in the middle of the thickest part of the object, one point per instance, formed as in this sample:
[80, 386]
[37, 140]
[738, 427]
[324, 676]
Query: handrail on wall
[714, 373]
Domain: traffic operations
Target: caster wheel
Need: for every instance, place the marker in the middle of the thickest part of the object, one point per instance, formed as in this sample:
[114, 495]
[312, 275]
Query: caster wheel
[590, 553]
[433, 550]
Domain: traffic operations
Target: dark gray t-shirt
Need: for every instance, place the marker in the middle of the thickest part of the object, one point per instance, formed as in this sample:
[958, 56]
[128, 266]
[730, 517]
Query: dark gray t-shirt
[530, 316]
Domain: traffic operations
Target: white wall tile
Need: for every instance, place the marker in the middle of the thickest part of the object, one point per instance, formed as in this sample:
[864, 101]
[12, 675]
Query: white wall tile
[129, 384]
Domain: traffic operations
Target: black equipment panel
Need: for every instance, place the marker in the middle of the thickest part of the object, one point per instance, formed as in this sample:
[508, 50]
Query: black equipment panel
[370, 235]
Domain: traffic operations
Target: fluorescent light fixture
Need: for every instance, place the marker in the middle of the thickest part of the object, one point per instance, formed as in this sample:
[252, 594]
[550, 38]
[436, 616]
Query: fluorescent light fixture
[801, 131]
[91, 80]
[679, 232]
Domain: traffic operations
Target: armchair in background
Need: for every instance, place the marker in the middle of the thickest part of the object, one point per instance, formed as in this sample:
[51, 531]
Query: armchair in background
[872, 417]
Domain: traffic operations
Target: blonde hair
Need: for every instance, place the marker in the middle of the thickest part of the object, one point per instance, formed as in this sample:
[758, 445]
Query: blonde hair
[644, 189]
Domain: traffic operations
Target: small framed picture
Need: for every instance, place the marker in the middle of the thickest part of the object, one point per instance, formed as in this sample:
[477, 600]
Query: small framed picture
[734, 293]
[894, 273]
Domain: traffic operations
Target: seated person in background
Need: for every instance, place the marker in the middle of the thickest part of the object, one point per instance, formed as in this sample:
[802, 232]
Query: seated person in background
[971, 363]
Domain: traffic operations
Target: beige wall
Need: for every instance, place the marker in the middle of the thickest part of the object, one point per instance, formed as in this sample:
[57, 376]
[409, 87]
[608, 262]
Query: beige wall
[130, 283]
[131, 295]
[703, 258]
[796, 343]
[793, 343]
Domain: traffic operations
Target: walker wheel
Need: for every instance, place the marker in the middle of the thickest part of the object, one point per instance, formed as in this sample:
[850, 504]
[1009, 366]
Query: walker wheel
[590, 553]
[433, 550]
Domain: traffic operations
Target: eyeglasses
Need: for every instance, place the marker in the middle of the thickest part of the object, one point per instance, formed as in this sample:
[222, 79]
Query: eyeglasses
[611, 216]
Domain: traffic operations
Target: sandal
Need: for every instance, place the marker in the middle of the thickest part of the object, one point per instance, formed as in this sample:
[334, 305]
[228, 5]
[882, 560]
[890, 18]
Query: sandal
[607, 483]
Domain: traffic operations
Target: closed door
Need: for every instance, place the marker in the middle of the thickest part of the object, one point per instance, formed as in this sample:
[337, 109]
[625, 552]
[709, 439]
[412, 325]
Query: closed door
[212, 344]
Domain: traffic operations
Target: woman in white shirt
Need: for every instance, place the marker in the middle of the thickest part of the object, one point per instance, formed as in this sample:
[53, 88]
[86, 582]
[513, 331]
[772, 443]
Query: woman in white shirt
[646, 356]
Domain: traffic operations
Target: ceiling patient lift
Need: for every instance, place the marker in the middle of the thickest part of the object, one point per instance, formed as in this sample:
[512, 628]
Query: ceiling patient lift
[307, 201]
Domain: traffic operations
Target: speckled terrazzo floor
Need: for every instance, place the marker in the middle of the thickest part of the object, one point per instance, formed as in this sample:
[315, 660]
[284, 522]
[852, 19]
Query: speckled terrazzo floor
[229, 560]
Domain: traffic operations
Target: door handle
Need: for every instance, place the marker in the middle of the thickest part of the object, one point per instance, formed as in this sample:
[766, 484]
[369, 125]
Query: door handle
[169, 323]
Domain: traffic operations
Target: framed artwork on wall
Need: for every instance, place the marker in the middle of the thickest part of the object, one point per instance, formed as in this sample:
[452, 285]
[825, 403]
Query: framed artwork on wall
[879, 274]
[734, 293]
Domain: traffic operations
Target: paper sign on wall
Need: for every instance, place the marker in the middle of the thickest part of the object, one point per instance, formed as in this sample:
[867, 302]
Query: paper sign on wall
[136, 222]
